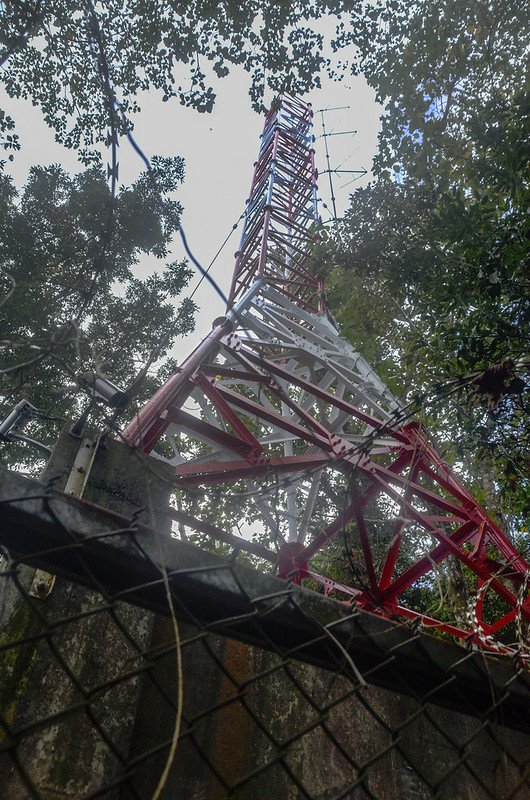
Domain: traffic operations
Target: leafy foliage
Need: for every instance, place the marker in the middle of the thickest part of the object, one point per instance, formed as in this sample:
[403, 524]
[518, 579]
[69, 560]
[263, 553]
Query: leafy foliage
[448, 71]
[76, 63]
[72, 302]
[443, 233]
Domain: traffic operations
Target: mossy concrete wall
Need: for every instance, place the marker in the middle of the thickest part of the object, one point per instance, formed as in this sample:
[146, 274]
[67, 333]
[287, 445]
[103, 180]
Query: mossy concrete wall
[240, 703]
[236, 716]
[70, 757]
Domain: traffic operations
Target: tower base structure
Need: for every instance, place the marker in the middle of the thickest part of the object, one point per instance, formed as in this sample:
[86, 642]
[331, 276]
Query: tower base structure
[286, 444]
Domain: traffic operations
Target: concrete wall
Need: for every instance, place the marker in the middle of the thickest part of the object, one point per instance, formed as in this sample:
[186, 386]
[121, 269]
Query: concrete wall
[240, 704]
[402, 761]
[48, 674]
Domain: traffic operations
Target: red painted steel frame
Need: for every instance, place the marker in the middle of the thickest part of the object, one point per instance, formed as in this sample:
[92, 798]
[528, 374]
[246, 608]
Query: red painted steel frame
[278, 230]
[393, 461]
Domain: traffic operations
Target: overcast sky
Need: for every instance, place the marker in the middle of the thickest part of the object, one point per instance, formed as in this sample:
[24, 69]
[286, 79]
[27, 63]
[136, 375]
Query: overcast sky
[219, 150]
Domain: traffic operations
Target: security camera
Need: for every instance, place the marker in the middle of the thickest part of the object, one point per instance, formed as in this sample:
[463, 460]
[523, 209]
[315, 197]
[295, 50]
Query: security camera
[104, 389]
[17, 419]
[11, 427]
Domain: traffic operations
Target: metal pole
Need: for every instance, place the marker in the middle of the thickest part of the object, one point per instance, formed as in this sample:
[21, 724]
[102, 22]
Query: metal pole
[325, 137]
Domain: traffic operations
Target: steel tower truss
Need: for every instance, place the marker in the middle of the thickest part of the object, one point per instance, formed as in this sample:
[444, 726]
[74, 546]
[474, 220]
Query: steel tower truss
[287, 444]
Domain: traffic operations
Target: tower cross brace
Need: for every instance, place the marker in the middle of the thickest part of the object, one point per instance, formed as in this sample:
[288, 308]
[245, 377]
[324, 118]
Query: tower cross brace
[285, 442]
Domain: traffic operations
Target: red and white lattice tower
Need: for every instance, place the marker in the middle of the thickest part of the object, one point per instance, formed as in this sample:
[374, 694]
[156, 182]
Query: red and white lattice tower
[286, 443]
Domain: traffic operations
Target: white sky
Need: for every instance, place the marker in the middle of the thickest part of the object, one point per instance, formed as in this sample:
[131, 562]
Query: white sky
[219, 150]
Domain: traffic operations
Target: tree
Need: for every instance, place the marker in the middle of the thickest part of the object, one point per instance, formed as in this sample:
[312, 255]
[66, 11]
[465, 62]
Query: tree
[443, 232]
[444, 70]
[72, 303]
[85, 66]
[69, 241]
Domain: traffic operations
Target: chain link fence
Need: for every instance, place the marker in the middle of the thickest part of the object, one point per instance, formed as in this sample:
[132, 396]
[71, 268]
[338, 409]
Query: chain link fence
[155, 669]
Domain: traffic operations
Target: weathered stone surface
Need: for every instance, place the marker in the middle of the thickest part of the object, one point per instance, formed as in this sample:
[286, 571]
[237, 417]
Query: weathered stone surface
[247, 714]
[124, 480]
[60, 670]
[236, 716]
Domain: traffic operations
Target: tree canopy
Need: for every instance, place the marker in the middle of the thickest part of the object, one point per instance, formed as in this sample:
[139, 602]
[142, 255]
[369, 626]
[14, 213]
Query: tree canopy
[72, 301]
[85, 64]
[440, 239]
[451, 73]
